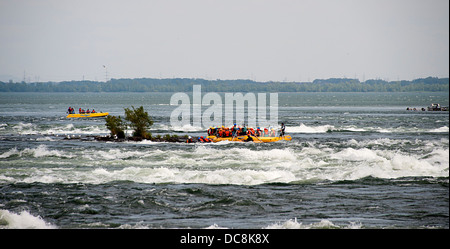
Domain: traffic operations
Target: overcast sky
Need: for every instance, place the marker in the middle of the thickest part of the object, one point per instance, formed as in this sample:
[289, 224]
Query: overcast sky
[263, 40]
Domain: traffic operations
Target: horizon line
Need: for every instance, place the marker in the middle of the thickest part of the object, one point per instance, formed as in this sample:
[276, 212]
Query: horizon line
[237, 79]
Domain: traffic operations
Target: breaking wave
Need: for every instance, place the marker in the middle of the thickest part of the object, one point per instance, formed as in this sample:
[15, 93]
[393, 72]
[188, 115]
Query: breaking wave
[68, 129]
[302, 128]
[40, 151]
[22, 220]
[247, 164]
[294, 224]
[185, 128]
[323, 224]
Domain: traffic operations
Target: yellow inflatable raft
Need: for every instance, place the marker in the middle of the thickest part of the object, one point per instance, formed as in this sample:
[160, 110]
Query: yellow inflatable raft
[88, 115]
[252, 138]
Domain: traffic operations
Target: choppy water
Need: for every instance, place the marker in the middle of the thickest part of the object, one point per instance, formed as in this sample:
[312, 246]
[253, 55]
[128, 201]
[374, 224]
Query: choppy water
[357, 160]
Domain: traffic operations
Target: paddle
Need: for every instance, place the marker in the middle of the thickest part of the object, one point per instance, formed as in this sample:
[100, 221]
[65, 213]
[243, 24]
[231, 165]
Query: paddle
[259, 140]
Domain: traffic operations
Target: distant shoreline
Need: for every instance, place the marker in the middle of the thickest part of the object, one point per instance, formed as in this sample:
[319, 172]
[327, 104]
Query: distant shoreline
[430, 84]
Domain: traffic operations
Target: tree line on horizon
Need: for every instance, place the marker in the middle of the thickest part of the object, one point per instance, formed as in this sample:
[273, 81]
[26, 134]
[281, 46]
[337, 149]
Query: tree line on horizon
[432, 84]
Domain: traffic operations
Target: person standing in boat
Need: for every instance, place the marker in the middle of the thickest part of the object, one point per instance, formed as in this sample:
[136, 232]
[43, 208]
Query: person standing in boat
[244, 130]
[283, 128]
[234, 130]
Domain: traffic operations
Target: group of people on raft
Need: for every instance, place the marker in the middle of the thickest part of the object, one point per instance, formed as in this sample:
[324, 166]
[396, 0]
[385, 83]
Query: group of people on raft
[80, 111]
[235, 131]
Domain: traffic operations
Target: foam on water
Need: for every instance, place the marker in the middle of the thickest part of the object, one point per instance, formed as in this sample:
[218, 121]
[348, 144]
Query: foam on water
[215, 226]
[323, 224]
[302, 128]
[295, 224]
[69, 129]
[40, 151]
[243, 165]
[335, 173]
[24, 128]
[184, 128]
[441, 129]
[9, 153]
[23, 220]
[360, 163]
[170, 175]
